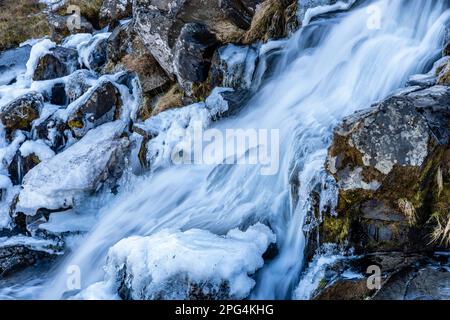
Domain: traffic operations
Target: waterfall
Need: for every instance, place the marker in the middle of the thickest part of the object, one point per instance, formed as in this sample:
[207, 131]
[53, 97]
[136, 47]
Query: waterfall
[327, 70]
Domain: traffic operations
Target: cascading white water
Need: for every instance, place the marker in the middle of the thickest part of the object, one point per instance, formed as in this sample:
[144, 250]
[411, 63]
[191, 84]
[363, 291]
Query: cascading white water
[327, 70]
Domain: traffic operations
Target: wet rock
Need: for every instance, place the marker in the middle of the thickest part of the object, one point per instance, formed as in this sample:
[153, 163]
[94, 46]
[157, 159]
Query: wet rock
[112, 11]
[20, 113]
[402, 277]
[16, 258]
[60, 28]
[98, 56]
[58, 63]
[102, 105]
[234, 66]
[193, 52]
[20, 166]
[425, 283]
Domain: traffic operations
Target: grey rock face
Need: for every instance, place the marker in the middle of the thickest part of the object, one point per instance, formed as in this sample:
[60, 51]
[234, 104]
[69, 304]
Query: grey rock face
[59, 63]
[15, 258]
[396, 132]
[193, 52]
[159, 22]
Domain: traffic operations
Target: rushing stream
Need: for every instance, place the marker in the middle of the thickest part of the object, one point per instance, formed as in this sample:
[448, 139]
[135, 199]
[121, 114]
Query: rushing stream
[334, 66]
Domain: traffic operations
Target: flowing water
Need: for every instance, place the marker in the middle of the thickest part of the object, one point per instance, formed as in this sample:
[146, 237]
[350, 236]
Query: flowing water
[325, 71]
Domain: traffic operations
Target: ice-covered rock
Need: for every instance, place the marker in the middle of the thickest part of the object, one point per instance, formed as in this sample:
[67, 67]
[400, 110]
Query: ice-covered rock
[21, 112]
[387, 161]
[99, 105]
[92, 53]
[78, 171]
[160, 266]
[234, 66]
[56, 63]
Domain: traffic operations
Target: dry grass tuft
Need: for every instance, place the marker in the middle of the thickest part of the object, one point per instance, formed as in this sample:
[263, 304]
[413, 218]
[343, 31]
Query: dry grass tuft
[21, 20]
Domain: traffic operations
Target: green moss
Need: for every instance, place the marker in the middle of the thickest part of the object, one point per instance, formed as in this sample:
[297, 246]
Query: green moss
[75, 123]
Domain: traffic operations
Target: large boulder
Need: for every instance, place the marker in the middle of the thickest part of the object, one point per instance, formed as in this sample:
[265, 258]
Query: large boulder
[392, 170]
[96, 160]
[159, 266]
[21, 112]
[58, 63]
[101, 104]
[193, 53]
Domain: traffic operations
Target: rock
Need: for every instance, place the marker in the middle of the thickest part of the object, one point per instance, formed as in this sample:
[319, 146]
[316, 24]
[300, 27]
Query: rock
[421, 278]
[158, 23]
[234, 66]
[156, 267]
[21, 112]
[20, 166]
[58, 63]
[78, 83]
[52, 131]
[385, 161]
[94, 162]
[126, 52]
[152, 77]
[193, 52]
[112, 11]
[18, 257]
[402, 277]
[60, 28]
[103, 104]
[12, 61]
[98, 56]
[120, 43]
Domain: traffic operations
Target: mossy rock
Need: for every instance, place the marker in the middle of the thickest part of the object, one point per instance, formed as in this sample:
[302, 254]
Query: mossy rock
[21, 20]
